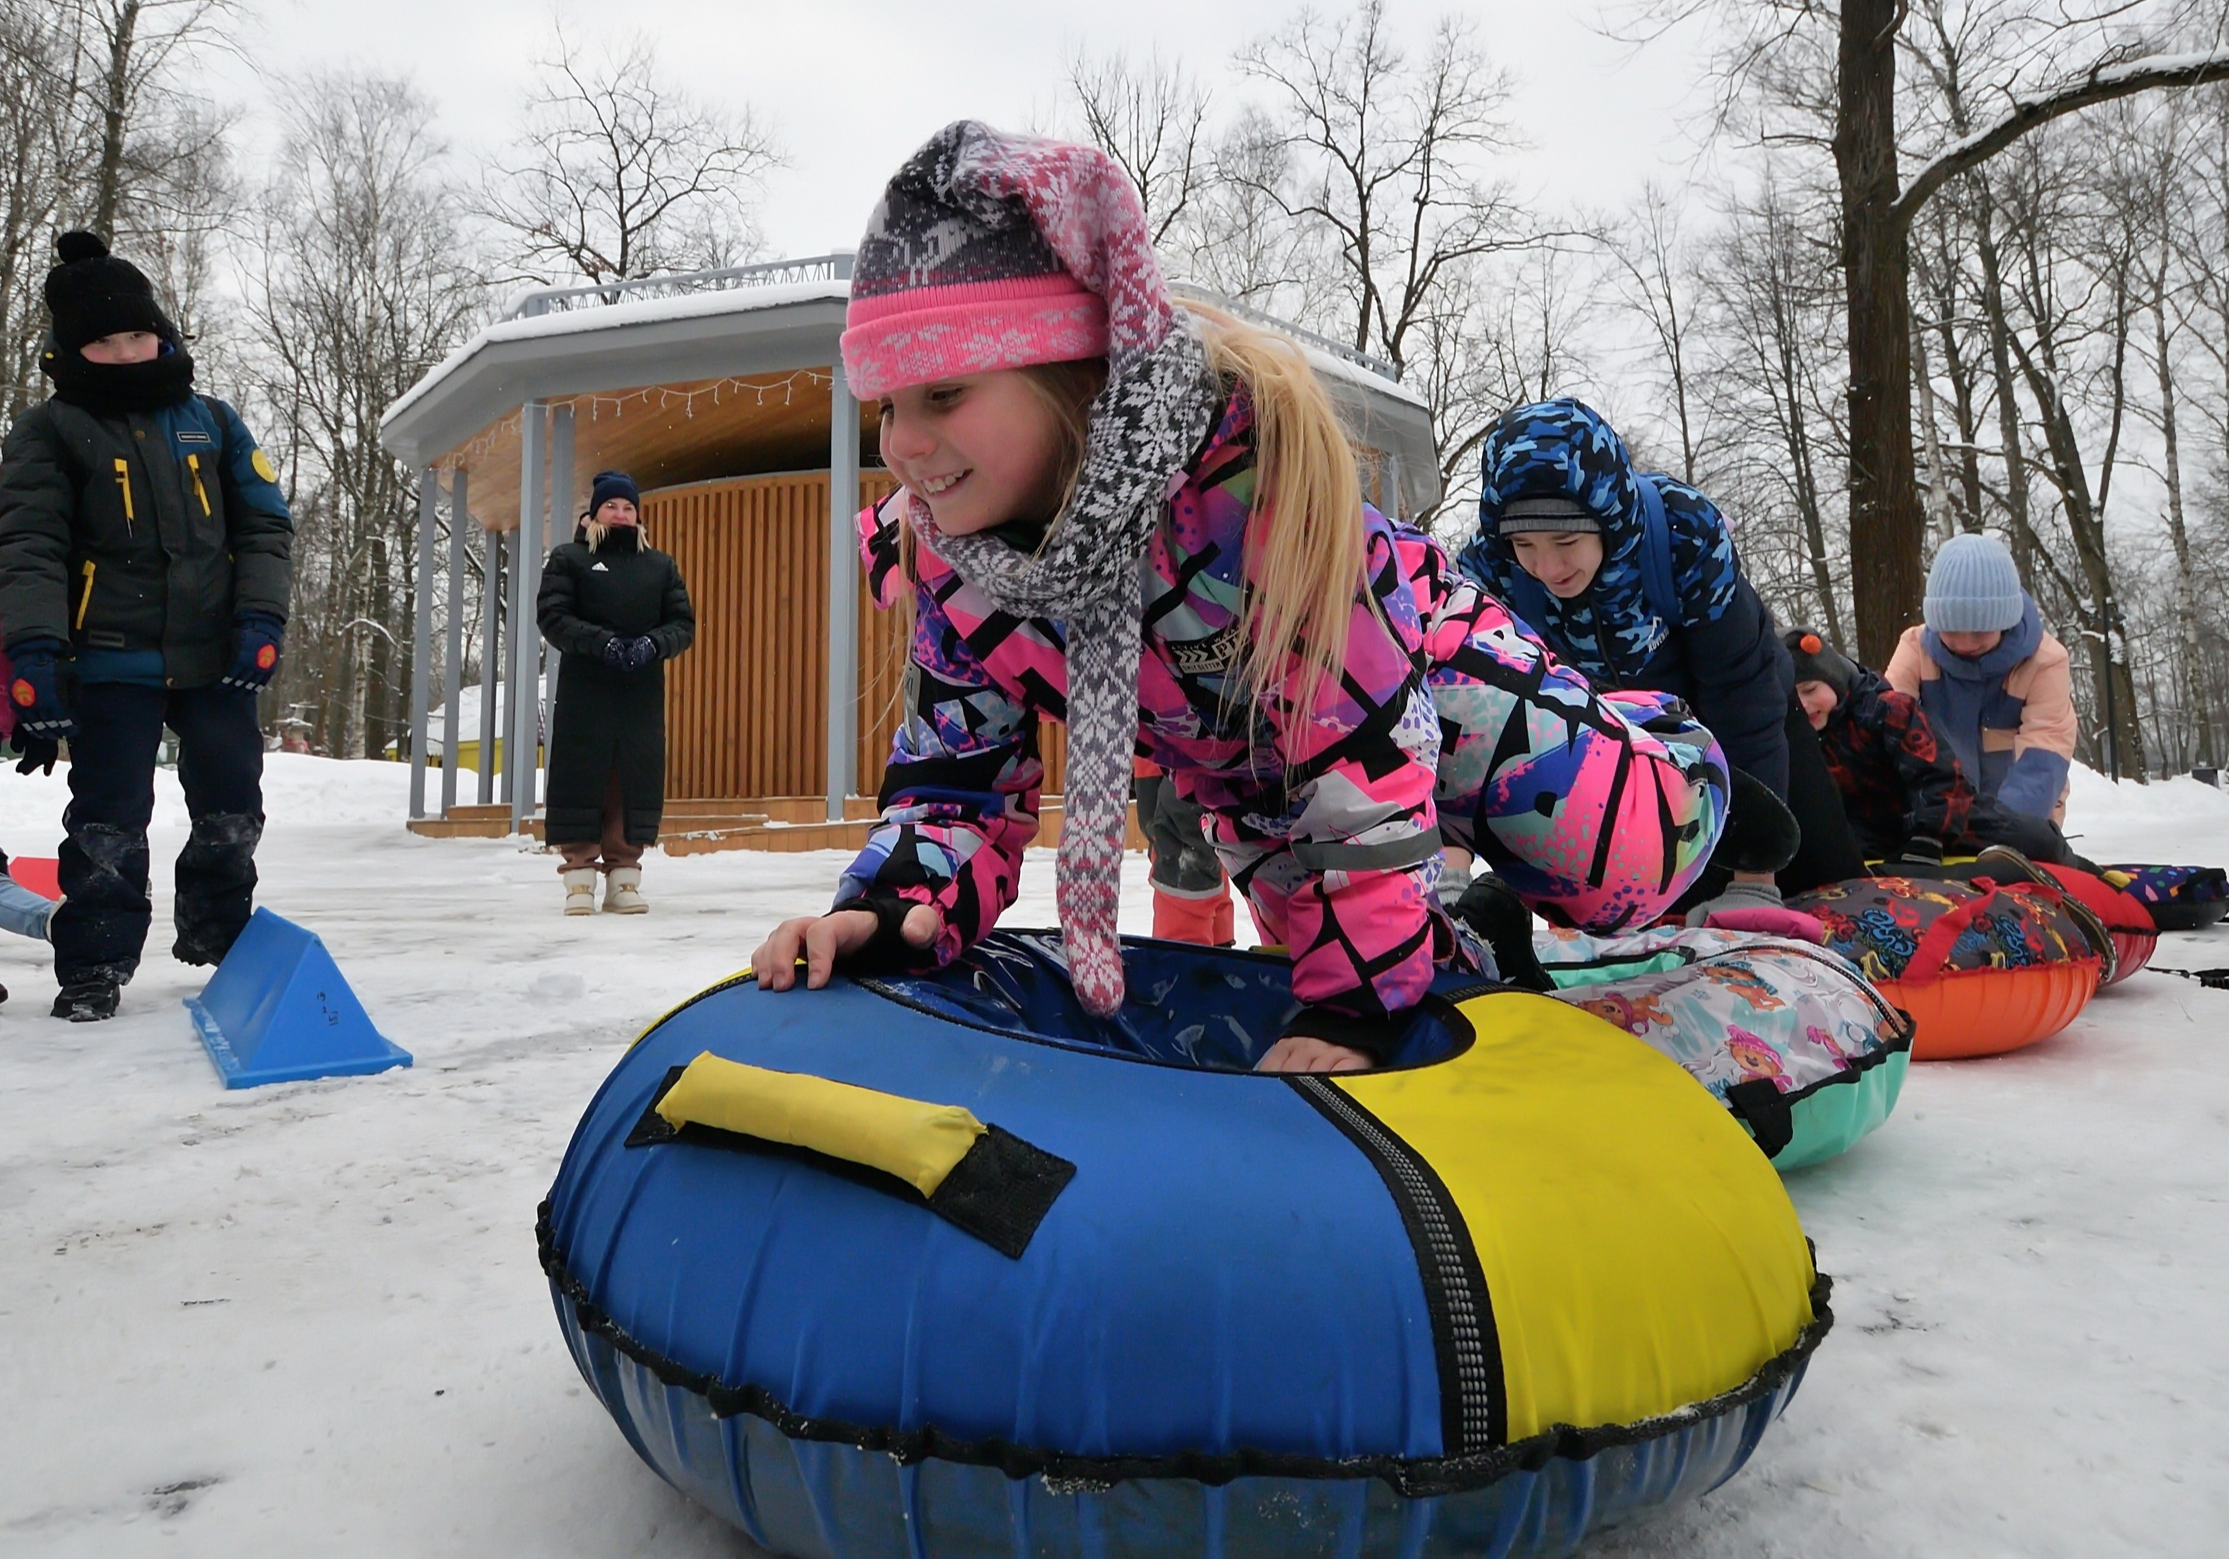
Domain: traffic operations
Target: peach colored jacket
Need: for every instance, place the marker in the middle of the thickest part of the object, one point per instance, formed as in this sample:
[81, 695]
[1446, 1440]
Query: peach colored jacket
[2032, 712]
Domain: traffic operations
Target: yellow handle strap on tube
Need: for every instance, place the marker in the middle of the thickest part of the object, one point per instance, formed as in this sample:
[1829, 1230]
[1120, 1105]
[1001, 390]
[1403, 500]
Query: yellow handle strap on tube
[914, 1141]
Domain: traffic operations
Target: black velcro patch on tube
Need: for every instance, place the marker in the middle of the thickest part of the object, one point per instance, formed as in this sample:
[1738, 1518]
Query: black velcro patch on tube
[1001, 1191]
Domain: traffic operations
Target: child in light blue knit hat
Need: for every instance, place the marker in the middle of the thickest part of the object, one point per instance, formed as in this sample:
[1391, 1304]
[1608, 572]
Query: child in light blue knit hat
[1994, 682]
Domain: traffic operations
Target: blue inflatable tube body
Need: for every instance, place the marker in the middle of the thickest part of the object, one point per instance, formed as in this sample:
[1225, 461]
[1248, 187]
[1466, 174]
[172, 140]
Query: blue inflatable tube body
[1226, 1335]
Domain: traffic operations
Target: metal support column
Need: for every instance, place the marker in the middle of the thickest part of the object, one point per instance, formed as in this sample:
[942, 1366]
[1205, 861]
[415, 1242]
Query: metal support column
[421, 636]
[560, 531]
[843, 593]
[491, 657]
[452, 664]
[525, 661]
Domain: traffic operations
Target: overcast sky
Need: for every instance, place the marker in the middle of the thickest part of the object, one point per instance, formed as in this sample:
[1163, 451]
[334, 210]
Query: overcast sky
[851, 85]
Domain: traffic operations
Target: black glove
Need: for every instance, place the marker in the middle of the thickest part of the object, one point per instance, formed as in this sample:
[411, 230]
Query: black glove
[615, 652]
[640, 653]
[38, 752]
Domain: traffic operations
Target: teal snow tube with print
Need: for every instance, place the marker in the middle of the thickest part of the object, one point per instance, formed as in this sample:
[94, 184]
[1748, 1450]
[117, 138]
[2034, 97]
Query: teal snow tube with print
[1788, 1036]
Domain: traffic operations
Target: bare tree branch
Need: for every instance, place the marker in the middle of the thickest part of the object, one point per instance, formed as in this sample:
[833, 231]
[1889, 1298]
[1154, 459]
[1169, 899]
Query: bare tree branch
[617, 174]
[2100, 84]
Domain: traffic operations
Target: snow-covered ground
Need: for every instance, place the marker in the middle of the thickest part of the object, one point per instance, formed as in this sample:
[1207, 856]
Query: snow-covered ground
[307, 1319]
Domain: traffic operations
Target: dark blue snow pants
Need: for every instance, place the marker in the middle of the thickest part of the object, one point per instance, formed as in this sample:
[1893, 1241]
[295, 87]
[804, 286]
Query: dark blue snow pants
[101, 927]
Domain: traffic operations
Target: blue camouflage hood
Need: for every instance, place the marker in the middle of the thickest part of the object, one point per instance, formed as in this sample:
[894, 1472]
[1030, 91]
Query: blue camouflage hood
[1565, 448]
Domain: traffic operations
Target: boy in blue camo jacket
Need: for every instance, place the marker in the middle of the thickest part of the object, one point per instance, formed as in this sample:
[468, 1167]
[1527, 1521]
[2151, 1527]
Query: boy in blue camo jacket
[144, 566]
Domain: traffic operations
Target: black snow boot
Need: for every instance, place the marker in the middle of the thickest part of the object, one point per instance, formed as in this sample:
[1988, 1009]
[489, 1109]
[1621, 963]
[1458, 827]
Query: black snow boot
[216, 885]
[88, 1001]
[1491, 907]
[1761, 833]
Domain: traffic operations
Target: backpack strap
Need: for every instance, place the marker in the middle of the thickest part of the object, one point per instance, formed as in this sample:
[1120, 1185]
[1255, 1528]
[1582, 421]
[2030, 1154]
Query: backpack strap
[1659, 586]
[221, 423]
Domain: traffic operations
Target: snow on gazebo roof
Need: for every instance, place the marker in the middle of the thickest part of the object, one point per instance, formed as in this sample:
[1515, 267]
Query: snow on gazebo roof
[756, 321]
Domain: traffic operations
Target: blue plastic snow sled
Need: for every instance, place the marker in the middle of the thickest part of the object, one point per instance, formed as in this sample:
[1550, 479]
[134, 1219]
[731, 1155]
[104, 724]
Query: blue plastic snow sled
[943, 1266]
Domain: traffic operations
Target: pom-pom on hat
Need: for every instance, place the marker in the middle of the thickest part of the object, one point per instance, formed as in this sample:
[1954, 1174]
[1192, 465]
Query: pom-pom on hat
[91, 293]
[1818, 661]
[994, 251]
[609, 485]
[1974, 587]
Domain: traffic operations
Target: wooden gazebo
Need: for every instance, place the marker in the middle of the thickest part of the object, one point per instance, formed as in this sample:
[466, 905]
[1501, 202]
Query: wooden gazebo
[723, 393]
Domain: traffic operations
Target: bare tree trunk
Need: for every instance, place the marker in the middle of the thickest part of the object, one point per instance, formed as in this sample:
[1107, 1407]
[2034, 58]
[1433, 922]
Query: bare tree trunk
[115, 109]
[1886, 527]
[2017, 500]
[1934, 492]
[2186, 590]
[2085, 523]
[1962, 376]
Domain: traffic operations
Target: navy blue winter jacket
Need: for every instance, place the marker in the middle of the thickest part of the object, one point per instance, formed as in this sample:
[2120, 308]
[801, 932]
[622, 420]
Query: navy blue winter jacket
[1717, 649]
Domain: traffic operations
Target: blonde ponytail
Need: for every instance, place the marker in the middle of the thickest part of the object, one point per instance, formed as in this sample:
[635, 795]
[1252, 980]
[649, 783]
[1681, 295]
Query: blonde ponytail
[1304, 529]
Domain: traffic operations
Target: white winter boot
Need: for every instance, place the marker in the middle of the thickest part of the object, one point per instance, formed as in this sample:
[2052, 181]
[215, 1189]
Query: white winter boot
[623, 891]
[580, 890]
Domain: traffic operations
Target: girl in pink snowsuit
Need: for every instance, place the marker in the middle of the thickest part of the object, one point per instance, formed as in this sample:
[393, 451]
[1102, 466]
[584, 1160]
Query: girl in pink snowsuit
[1172, 556]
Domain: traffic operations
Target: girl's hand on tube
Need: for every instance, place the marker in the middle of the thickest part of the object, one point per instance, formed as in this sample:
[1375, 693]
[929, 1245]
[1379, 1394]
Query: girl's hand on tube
[1302, 1053]
[821, 940]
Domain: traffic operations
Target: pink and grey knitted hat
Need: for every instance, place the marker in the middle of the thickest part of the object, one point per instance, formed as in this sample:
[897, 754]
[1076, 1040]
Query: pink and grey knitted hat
[994, 251]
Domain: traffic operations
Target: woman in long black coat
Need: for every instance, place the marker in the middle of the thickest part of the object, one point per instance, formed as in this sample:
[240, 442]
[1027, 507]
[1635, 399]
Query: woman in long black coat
[617, 609]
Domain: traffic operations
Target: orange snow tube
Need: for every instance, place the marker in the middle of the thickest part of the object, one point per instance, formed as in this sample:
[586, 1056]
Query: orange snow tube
[1984, 1012]
[1980, 968]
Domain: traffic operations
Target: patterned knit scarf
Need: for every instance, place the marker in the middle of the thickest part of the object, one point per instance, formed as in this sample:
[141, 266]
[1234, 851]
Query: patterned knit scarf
[1147, 424]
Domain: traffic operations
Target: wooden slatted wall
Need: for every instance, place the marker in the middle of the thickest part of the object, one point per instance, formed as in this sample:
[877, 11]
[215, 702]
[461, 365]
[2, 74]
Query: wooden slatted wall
[746, 708]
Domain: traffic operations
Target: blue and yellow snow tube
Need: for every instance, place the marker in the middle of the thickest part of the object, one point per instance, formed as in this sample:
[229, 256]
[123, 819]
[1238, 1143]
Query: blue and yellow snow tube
[945, 1267]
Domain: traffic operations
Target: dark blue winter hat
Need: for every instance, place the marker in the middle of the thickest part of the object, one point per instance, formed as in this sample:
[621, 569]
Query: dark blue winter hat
[610, 485]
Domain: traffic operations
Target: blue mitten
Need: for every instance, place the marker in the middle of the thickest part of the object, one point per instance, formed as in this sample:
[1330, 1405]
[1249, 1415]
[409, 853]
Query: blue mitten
[36, 691]
[256, 637]
[640, 653]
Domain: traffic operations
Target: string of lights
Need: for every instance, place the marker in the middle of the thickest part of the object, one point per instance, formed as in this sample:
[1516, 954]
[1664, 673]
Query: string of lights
[758, 393]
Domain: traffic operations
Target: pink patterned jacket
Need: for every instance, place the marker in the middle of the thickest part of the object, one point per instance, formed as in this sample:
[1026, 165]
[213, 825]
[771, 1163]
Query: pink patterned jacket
[1445, 717]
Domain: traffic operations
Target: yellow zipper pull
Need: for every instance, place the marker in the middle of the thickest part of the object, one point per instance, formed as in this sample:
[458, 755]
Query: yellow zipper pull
[124, 481]
[85, 599]
[193, 467]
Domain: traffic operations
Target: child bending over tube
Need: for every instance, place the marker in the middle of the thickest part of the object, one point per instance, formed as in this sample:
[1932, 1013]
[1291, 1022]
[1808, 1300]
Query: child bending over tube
[1145, 520]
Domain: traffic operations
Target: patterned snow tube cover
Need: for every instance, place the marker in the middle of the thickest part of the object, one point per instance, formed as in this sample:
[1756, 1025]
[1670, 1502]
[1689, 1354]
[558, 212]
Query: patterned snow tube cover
[1980, 967]
[1788, 1036]
[942, 1266]
[2180, 898]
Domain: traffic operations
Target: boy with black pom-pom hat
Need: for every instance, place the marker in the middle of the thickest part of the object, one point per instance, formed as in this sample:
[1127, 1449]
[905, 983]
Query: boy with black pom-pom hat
[144, 567]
